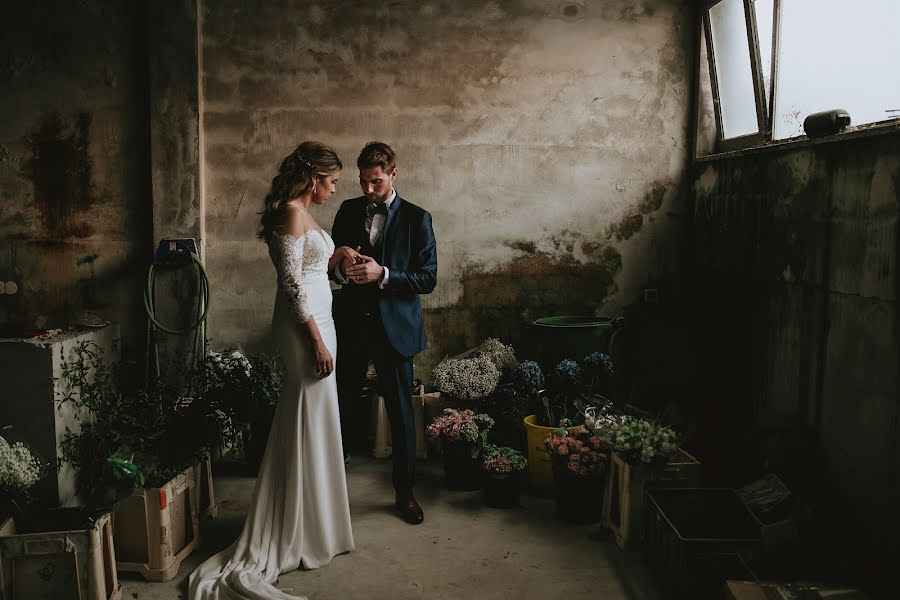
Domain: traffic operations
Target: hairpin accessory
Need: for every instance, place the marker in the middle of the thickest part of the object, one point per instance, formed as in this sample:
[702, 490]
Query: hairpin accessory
[303, 160]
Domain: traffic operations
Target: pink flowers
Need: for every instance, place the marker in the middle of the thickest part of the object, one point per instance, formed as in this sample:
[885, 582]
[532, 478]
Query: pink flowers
[578, 451]
[460, 425]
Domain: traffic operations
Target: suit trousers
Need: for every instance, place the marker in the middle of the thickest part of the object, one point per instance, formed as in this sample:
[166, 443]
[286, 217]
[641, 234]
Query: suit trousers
[361, 338]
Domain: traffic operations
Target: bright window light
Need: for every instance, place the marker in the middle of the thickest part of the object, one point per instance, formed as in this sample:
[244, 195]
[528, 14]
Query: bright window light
[836, 54]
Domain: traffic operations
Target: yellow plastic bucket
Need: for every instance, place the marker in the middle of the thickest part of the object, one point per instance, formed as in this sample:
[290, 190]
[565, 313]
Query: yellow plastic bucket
[540, 470]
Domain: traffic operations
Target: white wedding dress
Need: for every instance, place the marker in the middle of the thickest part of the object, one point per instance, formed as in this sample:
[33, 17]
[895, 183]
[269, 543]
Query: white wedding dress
[299, 513]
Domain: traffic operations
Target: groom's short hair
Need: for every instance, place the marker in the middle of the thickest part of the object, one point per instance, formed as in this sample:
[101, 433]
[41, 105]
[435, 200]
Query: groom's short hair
[377, 154]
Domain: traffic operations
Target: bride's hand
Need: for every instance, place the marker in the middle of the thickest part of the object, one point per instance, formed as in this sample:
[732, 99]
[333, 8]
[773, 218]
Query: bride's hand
[324, 360]
[346, 253]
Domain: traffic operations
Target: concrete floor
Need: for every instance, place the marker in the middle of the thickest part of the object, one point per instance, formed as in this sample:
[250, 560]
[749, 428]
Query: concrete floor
[462, 550]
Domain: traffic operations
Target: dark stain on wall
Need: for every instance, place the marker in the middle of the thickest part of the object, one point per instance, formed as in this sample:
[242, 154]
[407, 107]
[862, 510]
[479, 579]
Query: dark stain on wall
[629, 225]
[60, 169]
[653, 199]
[522, 245]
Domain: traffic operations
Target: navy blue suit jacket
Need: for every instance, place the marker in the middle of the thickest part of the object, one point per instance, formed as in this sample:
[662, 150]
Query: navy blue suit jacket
[408, 249]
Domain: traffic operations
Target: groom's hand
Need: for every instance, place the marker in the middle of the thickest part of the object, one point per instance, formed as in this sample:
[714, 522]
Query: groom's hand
[366, 270]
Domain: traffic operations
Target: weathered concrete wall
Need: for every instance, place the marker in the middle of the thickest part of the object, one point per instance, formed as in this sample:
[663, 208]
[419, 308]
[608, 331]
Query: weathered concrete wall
[547, 139]
[74, 190]
[795, 257]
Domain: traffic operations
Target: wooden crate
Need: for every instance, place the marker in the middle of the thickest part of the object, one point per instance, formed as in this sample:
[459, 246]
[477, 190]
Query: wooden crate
[154, 529]
[78, 564]
[206, 497]
[623, 500]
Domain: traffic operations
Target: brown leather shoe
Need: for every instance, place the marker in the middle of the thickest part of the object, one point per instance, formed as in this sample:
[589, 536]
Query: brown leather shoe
[409, 509]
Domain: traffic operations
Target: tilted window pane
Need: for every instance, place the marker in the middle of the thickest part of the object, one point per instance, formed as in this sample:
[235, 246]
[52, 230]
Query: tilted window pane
[733, 76]
[765, 15]
[833, 57]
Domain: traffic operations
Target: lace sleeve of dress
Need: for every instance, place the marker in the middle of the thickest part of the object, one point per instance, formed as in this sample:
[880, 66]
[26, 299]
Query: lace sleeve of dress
[287, 254]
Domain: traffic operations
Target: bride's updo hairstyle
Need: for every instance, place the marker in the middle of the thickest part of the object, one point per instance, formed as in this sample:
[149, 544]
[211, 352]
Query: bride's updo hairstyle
[296, 177]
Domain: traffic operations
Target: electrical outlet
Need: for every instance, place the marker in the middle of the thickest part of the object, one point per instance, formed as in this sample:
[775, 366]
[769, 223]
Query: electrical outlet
[175, 252]
[651, 295]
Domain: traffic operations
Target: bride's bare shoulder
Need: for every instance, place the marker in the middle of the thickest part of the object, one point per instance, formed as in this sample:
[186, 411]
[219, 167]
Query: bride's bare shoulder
[296, 221]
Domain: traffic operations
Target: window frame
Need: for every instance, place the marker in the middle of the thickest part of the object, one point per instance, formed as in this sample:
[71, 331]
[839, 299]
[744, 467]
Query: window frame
[766, 108]
[763, 119]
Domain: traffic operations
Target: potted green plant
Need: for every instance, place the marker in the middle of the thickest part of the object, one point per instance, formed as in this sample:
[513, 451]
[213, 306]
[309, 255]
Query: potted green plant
[579, 459]
[503, 467]
[462, 435]
[137, 446]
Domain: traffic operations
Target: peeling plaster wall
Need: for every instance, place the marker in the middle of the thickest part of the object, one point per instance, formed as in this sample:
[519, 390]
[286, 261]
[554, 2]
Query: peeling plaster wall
[795, 258]
[547, 139]
[74, 193]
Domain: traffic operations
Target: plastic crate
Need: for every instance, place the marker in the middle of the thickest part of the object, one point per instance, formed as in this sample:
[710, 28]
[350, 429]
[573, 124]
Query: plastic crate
[79, 564]
[696, 538]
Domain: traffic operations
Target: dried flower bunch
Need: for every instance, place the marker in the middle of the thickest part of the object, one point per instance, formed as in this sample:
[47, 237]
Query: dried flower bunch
[578, 451]
[503, 460]
[467, 378]
[503, 356]
[19, 468]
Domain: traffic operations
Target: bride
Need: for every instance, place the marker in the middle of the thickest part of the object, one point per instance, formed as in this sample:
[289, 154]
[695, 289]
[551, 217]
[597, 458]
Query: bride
[299, 513]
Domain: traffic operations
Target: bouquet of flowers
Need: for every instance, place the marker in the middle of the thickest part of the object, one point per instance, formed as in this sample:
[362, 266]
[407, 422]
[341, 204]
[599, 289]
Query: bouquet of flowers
[501, 461]
[461, 426]
[578, 451]
[466, 378]
[637, 440]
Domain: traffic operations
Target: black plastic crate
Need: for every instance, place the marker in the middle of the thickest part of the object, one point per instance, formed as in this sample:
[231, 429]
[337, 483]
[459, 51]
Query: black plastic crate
[696, 538]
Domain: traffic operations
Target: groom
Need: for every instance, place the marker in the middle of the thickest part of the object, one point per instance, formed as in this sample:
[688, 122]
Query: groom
[378, 313]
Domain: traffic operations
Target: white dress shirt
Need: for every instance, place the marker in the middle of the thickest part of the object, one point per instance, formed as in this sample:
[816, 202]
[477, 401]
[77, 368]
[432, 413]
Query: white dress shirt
[374, 227]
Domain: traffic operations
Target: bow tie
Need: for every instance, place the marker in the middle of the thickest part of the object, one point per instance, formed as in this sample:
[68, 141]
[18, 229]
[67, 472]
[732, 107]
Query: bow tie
[375, 207]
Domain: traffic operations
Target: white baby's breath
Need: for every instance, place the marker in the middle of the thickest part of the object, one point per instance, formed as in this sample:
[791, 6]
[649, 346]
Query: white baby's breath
[466, 379]
[19, 468]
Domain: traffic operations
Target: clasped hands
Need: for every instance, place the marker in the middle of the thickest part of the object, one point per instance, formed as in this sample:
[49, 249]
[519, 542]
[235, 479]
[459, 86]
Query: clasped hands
[359, 268]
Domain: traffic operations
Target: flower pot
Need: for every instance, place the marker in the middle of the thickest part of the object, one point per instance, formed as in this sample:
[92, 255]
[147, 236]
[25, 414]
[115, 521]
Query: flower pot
[579, 499]
[461, 471]
[502, 490]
